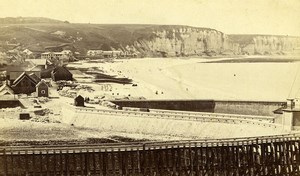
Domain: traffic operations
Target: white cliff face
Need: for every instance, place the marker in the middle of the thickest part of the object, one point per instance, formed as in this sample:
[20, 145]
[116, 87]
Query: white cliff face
[273, 44]
[186, 41]
[193, 41]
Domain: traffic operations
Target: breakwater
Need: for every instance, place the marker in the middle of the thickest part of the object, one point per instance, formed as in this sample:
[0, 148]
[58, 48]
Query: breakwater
[156, 123]
[263, 108]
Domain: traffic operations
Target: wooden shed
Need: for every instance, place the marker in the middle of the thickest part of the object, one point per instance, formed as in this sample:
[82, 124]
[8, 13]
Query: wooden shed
[42, 89]
[79, 101]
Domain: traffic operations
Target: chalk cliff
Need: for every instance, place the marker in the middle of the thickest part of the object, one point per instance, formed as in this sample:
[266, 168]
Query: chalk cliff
[184, 41]
[198, 41]
[38, 34]
[266, 44]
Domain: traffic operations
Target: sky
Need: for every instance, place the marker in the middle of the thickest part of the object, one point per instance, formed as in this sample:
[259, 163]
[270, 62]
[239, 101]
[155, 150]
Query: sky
[276, 17]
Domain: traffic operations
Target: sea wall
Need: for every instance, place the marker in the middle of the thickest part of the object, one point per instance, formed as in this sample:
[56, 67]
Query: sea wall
[262, 108]
[229, 107]
[145, 123]
[185, 105]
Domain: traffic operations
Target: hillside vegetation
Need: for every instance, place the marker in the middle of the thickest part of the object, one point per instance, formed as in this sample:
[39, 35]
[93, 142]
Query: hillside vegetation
[147, 40]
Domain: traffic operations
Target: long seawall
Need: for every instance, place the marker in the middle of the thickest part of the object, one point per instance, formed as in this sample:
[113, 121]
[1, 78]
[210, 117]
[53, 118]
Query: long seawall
[262, 108]
[173, 125]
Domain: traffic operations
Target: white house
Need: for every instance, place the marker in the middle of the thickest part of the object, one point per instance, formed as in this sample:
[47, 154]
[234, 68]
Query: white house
[27, 52]
[58, 55]
[94, 53]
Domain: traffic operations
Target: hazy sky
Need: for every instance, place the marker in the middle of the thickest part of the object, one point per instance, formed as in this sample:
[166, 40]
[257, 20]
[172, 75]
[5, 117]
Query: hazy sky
[230, 16]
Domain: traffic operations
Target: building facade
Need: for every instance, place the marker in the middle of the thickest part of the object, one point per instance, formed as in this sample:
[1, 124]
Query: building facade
[65, 54]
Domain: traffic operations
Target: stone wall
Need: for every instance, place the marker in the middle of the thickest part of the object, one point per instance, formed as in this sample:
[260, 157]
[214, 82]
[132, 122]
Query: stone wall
[228, 107]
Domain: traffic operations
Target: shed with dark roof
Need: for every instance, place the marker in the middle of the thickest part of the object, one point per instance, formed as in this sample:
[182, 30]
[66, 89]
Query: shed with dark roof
[79, 101]
[42, 89]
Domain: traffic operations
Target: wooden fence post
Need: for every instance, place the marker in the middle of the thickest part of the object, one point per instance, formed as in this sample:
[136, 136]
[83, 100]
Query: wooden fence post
[94, 162]
[26, 163]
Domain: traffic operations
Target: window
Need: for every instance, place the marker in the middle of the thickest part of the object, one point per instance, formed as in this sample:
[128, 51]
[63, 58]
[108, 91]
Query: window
[43, 92]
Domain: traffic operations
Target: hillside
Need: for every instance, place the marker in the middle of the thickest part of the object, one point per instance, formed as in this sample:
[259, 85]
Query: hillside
[26, 20]
[147, 40]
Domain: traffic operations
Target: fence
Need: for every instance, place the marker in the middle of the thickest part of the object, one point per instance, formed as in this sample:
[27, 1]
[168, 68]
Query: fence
[273, 155]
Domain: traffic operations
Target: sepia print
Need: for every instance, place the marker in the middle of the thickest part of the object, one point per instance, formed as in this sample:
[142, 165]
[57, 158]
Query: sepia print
[144, 88]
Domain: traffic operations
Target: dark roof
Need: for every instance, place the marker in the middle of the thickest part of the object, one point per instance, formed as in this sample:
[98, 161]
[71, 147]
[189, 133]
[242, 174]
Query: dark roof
[61, 68]
[42, 83]
[22, 76]
[36, 78]
[79, 97]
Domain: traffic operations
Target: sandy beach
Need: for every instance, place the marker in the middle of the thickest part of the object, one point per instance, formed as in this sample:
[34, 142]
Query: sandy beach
[173, 78]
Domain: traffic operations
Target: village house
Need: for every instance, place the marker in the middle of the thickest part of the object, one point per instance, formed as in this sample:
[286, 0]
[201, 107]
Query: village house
[107, 54]
[28, 54]
[61, 73]
[94, 53]
[24, 84]
[13, 58]
[65, 54]
[51, 55]
[42, 89]
[14, 51]
[118, 53]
